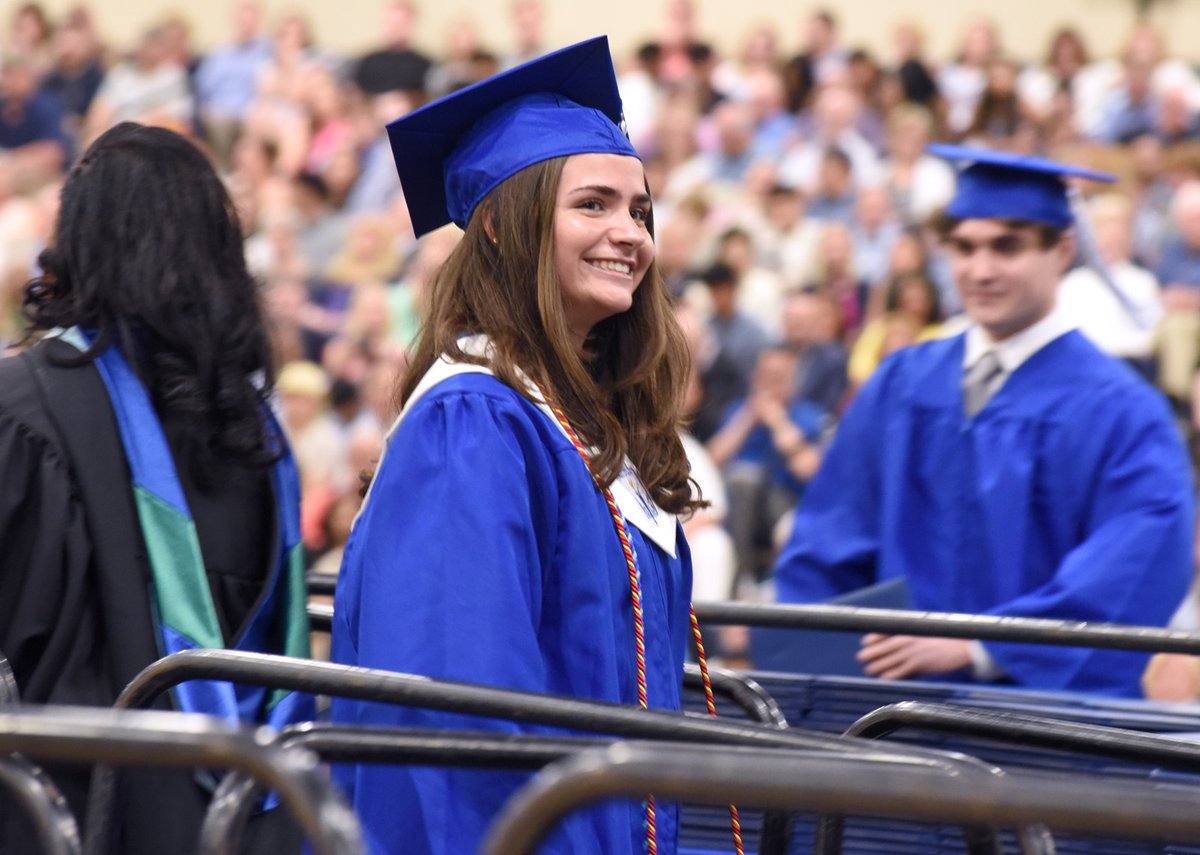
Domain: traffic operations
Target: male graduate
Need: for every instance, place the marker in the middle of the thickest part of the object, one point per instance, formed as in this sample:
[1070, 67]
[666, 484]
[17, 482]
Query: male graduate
[1010, 470]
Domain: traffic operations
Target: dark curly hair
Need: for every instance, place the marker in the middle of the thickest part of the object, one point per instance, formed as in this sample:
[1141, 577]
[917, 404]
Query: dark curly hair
[147, 256]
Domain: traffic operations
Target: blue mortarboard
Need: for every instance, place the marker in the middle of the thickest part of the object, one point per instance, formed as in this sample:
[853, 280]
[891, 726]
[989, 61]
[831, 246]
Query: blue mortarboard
[999, 185]
[451, 153]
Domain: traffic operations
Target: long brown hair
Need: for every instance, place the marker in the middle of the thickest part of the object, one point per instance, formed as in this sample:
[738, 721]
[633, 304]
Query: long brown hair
[623, 394]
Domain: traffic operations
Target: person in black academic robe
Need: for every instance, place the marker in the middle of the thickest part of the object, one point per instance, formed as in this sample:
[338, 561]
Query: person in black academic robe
[76, 616]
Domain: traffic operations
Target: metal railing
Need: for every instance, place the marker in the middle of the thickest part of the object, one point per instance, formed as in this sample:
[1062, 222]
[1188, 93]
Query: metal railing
[1065, 633]
[54, 825]
[860, 784]
[555, 711]
[158, 739]
[1030, 731]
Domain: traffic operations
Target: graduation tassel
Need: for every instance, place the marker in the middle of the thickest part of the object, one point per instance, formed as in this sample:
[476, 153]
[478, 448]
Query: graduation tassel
[635, 593]
[735, 819]
[639, 635]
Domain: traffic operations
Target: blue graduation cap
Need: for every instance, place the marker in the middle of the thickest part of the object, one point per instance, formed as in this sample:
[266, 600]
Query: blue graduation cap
[451, 153]
[999, 185]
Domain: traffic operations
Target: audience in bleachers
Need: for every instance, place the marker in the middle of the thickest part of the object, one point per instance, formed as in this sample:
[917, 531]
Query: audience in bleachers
[791, 185]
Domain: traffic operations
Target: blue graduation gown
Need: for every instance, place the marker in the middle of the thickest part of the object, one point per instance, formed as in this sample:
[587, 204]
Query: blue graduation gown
[486, 554]
[1068, 496]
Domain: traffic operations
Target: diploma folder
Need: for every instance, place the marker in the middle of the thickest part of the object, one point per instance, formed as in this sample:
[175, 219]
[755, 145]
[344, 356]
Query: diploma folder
[820, 651]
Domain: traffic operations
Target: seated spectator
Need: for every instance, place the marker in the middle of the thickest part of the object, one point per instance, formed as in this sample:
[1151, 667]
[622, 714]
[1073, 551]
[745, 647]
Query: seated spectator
[768, 447]
[961, 82]
[911, 314]
[1129, 110]
[33, 146]
[227, 77]
[759, 290]
[834, 124]
[316, 444]
[833, 197]
[736, 342]
[874, 232]
[31, 34]
[150, 88]
[278, 113]
[811, 332]
[714, 563]
[920, 183]
[999, 115]
[1067, 70]
[408, 298]
[837, 278]
[1176, 120]
[1152, 194]
[759, 52]
[396, 64]
[913, 71]
[822, 59]
[368, 253]
[788, 238]
[1179, 273]
[728, 163]
[77, 73]
[376, 186]
[1123, 326]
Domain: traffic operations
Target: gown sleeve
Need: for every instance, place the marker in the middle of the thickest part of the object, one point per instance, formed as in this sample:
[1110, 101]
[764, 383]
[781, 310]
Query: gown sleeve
[1133, 563]
[44, 579]
[835, 538]
[443, 577]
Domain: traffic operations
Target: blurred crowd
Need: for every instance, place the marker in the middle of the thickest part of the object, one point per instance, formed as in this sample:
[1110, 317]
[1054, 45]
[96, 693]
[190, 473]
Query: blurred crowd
[792, 198]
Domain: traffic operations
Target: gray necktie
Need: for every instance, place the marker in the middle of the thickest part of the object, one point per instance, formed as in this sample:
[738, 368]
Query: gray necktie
[981, 382]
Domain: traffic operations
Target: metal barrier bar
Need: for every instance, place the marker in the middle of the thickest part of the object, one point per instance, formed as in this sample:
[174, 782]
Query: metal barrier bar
[1064, 633]
[368, 684]
[752, 698]
[760, 706]
[9, 694]
[1030, 730]
[746, 693]
[225, 822]
[36, 795]
[322, 584]
[79, 735]
[842, 784]
[405, 689]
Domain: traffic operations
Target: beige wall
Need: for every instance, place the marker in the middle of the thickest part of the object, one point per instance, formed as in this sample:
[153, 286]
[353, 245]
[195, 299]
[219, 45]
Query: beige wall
[347, 25]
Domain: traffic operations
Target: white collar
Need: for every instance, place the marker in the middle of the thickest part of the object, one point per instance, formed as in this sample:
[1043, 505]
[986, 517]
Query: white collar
[632, 497]
[1014, 350]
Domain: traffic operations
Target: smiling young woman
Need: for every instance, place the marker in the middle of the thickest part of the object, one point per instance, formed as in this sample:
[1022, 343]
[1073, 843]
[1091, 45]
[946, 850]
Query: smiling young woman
[538, 439]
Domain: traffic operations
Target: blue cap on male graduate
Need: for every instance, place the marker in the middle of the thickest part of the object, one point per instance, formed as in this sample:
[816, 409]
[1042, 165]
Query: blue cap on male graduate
[451, 153]
[999, 185]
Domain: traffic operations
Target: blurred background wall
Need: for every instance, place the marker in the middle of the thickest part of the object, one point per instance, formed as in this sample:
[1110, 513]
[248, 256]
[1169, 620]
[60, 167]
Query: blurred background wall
[351, 25]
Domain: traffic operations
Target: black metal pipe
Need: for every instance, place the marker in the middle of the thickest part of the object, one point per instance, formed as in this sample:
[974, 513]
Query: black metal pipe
[1029, 730]
[755, 701]
[368, 684]
[322, 584]
[9, 694]
[389, 687]
[225, 821]
[1065, 633]
[760, 706]
[75, 735]
[53, 824]
[842, 784]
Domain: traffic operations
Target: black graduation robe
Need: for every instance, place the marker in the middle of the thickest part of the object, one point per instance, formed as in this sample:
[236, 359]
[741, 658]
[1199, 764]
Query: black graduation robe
[75, 619]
